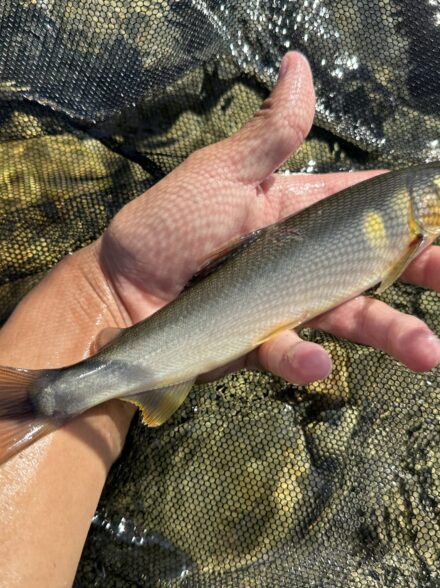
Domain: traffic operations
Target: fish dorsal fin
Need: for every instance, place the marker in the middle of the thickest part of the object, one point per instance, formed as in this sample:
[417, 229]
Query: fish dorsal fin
[402, 263]
[159, 404]
[104, 338]
[220, 255]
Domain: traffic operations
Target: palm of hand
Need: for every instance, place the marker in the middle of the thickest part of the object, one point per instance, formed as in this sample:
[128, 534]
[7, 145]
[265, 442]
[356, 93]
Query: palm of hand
[157, 242]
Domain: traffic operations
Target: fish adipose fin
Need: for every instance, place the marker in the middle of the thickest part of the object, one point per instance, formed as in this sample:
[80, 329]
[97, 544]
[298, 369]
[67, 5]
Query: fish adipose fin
[159, 404]
[399, 267]
[20, 425]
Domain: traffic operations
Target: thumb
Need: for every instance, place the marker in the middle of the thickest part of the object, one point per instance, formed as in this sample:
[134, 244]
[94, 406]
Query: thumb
[277, 129]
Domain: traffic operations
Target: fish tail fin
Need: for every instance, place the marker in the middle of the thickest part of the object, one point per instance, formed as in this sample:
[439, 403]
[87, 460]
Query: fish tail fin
[20, 422]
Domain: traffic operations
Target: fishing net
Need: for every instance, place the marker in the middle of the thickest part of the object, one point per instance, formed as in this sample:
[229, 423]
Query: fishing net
[253, 482]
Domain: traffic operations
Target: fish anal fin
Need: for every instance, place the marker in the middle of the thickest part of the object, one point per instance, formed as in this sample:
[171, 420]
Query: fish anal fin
[402, 263]
[158, 405]
[104, 338]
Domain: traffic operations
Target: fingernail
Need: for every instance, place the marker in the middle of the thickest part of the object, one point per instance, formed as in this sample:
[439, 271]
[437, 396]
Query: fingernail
[284, 67]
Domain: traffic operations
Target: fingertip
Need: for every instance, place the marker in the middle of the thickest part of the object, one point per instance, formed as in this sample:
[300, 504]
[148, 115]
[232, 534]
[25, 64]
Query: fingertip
[425, 353]
[296, 92]
[297, 361]
[307, 362]
[290, 60]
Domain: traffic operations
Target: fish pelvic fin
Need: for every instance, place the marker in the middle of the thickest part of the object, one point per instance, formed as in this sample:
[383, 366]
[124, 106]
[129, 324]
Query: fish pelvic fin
[20, 423]
[277, 329]
[158, 405]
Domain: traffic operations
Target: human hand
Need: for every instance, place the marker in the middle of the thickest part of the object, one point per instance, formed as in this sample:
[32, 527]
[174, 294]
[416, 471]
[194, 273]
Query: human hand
[157, 242]
[153, 246]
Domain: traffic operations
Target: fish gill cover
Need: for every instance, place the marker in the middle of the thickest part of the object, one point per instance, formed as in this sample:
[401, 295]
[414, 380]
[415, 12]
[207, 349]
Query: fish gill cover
[261, 483]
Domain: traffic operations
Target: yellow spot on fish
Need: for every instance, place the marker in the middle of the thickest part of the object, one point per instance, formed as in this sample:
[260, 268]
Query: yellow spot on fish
[436, 181]
[374, 229]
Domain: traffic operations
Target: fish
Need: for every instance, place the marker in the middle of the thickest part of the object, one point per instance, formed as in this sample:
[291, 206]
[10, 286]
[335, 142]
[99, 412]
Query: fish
[276, 278]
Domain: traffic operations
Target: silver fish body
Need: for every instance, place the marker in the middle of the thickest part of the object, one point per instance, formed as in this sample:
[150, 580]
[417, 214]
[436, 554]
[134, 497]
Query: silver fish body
[275, 279]
[287, 274]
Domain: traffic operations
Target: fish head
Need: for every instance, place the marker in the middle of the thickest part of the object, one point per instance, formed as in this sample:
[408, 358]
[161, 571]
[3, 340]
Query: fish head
[427, 204]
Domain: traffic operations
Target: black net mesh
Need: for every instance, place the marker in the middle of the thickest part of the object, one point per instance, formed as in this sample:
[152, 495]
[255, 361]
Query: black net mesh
[253, 482]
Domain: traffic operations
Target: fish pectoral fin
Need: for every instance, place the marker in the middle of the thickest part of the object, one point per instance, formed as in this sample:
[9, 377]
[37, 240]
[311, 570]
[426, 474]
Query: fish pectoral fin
[158, 405]
[220, 255]
[402, 263]
[104, 338]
